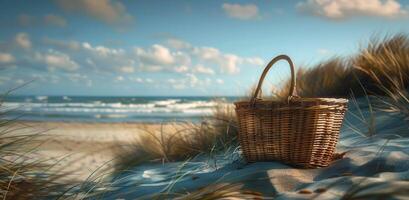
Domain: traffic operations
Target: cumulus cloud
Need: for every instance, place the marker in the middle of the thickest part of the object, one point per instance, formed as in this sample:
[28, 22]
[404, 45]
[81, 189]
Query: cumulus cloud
[23, 40]
[254, 61]
[57, 60]
[127, 69]
[341, 9]
[242, 12]
[203, 70]
[111, 12]
[6, 58]
[160, 58]
[136, 79]
[229, 63]
[156, 55]
[181, 69]
[102, 50]
[119, 78]
[188, 81]
[103, 58]
[193, 64]
[323, 51]
[220, 81]
[54, 20]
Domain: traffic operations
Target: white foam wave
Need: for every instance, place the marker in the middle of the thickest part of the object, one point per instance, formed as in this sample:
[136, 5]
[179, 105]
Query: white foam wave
[41, 98]
[163, 106]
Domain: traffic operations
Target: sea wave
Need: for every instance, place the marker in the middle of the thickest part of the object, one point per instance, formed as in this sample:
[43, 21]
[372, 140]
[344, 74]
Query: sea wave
[68, 108]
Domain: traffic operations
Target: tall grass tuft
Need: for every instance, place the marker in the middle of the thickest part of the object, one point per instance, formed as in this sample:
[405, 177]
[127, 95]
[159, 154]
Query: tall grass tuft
[331, 78]
[21, 176]
[182, 140]
[387, 64]
[382, 67]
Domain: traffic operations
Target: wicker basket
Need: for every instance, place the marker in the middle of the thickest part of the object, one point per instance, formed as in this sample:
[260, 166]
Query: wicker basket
[301, 131]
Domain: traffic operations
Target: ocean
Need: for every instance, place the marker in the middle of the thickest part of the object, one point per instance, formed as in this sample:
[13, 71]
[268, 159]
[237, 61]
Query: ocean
[109, 109]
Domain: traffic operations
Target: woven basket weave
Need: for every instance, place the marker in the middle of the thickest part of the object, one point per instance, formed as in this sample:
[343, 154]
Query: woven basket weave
[301, 131]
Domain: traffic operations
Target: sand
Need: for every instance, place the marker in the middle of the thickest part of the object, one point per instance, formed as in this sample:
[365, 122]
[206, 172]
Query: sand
[82, 147]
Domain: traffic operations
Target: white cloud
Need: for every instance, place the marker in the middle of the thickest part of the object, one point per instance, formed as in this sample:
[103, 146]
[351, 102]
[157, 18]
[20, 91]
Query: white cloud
[193, 80]
[181, 69]
[203, 70]
[228, 63]
[102, 50]
[6, 58]
[23, 40]
[57, 60]
[220, 81]
[136, 79]
[119, 78]
[342, 9]
[242, 12]
[207, 53]
[148, 80]
[54, 20]
[188, 81]
[103, 58]
[111, 12]
[193, 64]
[127, 69]
[254, 61]
[159, 58]
[323, 51]
[156, 55]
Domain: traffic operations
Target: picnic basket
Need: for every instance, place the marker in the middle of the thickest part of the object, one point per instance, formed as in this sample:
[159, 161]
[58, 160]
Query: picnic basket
[298, 131]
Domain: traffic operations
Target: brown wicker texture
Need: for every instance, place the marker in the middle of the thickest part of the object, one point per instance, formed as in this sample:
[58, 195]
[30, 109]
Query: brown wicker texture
[301, 131]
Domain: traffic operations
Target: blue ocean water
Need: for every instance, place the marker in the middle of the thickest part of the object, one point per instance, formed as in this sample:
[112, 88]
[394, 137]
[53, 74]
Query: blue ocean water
[109, 109]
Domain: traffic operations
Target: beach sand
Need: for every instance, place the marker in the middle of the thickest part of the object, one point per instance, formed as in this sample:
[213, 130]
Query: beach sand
[83, 147]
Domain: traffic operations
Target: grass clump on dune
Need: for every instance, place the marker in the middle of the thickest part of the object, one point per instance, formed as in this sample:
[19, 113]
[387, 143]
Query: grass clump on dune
[386, 63]
[331, 78]
[182, 140]
[382, 67]
[22, 176]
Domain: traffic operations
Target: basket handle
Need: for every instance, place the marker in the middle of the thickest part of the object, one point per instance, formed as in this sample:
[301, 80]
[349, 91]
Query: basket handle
[292, 92]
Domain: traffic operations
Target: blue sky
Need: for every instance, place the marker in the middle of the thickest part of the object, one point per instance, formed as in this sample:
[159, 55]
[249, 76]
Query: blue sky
[189, 48]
